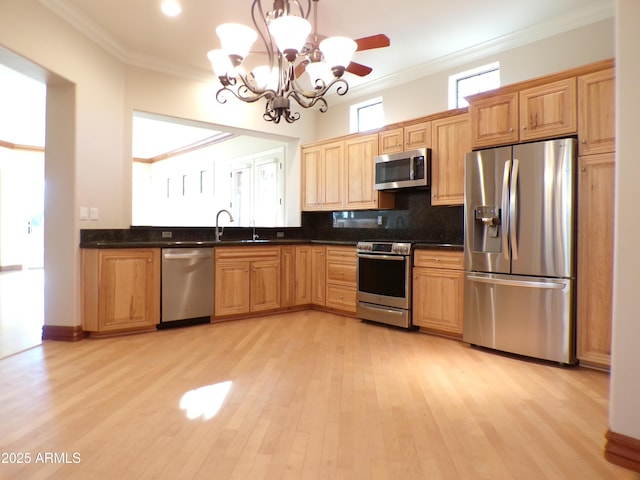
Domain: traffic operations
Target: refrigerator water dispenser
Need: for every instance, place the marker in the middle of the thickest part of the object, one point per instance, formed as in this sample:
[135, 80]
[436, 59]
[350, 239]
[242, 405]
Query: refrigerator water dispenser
[487, 229]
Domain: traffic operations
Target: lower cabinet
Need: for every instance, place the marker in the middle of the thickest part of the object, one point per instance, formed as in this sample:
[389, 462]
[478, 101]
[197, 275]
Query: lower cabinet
[438, 282]
[247, 279]
[342, 264]
[318, 274]
[120, 289]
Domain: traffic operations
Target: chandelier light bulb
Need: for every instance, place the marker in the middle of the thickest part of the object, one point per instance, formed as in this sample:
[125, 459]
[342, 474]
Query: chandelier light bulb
[319, 71]
[266, 77]
[220, 63]
[338, 51]
[290, 33]
[236, 40]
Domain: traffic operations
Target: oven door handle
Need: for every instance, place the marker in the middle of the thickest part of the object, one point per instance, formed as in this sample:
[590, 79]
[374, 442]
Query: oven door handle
[398, 258]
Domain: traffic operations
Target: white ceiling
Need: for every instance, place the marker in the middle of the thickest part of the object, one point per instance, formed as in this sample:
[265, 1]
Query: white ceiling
[425, 35]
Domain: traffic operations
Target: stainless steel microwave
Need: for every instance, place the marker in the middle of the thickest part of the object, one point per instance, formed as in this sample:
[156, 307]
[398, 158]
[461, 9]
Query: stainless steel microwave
[403, 170]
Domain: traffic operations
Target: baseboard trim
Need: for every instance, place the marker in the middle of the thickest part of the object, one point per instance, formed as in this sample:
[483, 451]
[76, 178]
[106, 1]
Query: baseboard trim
[61, 333]
[622, 450]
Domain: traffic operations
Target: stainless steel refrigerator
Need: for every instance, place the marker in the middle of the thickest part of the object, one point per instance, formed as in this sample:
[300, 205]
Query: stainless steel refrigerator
[519, 249]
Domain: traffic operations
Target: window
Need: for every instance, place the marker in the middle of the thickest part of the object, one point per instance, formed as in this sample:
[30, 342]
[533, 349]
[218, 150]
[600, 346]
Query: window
[481, 79]
[366, 115]
[257, 190]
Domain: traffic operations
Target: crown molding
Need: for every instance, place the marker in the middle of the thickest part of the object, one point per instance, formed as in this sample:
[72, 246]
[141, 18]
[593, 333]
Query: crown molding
[601, 10]
[575, 19]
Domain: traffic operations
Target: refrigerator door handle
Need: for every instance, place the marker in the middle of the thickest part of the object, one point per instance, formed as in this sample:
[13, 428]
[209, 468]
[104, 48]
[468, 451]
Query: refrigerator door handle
[513, 210]
[517, 283]
[505, 209]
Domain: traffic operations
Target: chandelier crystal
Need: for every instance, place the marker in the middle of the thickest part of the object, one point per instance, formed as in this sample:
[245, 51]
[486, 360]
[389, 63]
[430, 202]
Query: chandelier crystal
[284, 31]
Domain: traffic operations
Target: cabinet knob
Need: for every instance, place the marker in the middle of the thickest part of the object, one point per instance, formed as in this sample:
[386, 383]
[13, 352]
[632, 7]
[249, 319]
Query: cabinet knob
[524, 127]
[511, 130]
[584, 141]
[583, 169]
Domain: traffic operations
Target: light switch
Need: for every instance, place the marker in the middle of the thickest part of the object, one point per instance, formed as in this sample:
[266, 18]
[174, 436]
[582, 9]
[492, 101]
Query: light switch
[94, 214]
[84, 213]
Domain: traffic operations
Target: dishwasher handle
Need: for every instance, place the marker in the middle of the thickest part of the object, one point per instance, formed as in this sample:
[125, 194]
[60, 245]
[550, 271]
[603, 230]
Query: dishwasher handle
[186, 256]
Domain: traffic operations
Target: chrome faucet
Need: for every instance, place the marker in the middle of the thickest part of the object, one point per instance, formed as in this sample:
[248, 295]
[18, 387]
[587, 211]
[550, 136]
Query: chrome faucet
[219, 231]
[255, 236]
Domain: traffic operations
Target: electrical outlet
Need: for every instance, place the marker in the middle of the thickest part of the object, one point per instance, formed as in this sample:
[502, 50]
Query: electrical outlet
[84, 213]
[279, 234]
[167, 234]
[94, 213]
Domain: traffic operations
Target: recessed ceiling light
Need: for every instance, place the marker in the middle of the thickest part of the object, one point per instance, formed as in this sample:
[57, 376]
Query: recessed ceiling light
[171, 8]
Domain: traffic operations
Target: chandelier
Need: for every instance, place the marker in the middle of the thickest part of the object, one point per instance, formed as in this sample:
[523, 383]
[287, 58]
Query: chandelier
[290, 49]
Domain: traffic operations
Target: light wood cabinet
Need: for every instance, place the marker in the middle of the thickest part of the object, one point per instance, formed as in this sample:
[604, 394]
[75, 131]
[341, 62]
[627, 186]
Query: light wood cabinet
[288, 276]
[451, 141]
[303, 275]
[318, 274]
[541, 111]
[341, 278]
[120, 289]
[548, 110]
[438, 283]
[323, 177]
[247, 279]
[595, 258]
[596, 112]
[360, 175]
[401, 139]
[494, 120]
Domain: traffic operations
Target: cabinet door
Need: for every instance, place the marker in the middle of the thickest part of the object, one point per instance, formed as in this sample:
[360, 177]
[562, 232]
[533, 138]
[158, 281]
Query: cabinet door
[129, 289]
[595, 258]
[596, 112]
[437, 300]
[451, 141]
[494, 120]
[391, 141]
[303, 275]
[417, 136]
[311, 178]
[288, 276]
[318, 275]
[548, 110]
[265, 285]
[231, 288]
[333, 176]
[359, 154]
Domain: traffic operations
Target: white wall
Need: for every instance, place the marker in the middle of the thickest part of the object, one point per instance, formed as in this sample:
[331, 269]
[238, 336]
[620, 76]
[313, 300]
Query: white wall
[624, 414]
[429, 94]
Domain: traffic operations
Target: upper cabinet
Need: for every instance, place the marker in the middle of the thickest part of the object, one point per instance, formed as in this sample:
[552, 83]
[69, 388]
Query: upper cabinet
[494, 120]
[451, 141]
[596, 112]
[402, 139]
[542, 111]
[339, 175]
[322, 176]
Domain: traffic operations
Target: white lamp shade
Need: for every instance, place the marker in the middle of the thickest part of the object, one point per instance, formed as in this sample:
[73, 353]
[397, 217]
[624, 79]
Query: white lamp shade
[236, 39]
[266, 78]
[338, 51]
[220, 63]
[319, 71]
[290, 32]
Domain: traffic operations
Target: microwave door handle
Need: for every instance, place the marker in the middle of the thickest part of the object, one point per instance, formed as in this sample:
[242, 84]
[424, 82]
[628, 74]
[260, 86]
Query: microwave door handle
[412, 168]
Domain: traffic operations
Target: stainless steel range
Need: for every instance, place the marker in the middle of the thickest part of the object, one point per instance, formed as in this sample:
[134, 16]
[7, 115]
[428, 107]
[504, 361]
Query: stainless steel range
[384, 282]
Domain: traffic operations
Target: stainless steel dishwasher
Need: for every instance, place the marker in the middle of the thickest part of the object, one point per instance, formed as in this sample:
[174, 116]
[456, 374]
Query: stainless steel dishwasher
[187, 286]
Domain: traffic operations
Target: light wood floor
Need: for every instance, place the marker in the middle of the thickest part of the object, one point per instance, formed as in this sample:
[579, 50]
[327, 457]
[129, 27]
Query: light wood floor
[312, 395]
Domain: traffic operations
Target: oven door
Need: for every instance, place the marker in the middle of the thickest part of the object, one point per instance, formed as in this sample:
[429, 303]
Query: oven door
[384, 280]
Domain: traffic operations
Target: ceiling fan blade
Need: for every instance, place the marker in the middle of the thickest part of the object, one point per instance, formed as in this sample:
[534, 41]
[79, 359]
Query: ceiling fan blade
[359, 69]
[299, 68]
[374, 41]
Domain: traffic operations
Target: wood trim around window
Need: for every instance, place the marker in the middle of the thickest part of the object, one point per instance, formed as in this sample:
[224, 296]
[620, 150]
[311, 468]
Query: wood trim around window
[622, 450]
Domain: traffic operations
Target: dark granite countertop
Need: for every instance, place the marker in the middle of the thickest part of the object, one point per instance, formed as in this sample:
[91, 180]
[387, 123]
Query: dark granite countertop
[230, 243]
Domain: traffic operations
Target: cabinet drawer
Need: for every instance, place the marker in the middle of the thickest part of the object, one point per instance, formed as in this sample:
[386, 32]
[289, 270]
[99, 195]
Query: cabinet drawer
[341, 272]
[342, 255]
[439, 259]
[341, 297]
[246, 253]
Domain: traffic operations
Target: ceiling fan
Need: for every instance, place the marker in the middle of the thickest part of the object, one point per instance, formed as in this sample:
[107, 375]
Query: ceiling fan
[311, 49]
